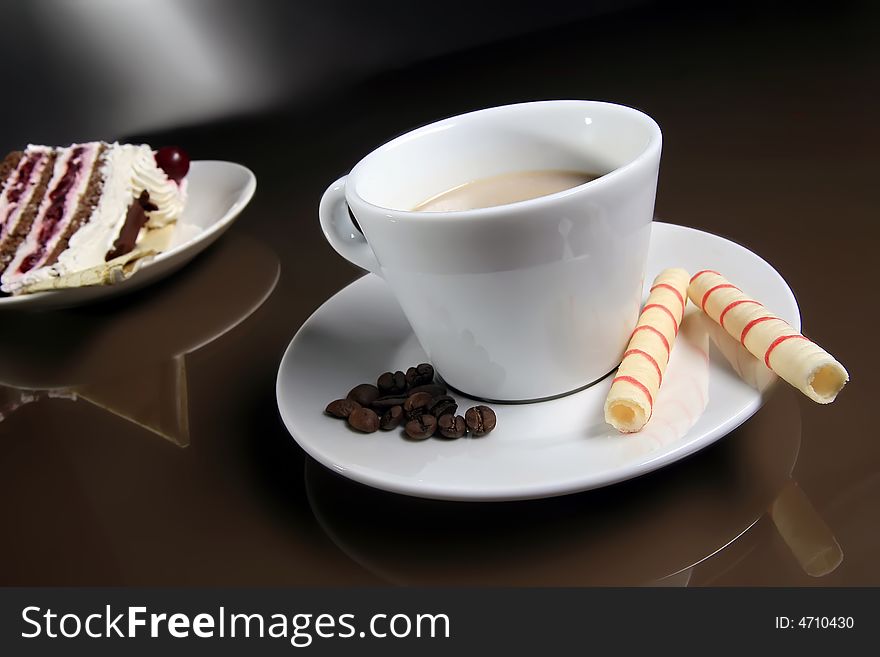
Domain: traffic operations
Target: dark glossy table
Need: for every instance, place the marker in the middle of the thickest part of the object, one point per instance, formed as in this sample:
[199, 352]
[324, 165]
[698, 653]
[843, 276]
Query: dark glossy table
[141, 440]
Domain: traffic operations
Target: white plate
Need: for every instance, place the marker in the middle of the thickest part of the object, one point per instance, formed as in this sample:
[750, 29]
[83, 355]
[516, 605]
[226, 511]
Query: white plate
[217, 193]
[537, 450]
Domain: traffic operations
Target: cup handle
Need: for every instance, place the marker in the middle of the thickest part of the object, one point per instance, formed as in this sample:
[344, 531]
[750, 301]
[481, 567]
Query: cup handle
[341, 233]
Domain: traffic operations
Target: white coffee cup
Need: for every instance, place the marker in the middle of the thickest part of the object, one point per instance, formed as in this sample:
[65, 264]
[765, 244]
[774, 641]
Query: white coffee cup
[515, 302]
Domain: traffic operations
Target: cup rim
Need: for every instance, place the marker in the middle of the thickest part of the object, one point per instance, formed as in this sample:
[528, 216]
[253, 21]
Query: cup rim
[653, 145]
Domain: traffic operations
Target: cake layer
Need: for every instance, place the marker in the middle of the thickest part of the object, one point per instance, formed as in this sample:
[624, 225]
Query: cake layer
[71, 209]
[21, 198]
[71, 175]
[128, 171]
[87, 202]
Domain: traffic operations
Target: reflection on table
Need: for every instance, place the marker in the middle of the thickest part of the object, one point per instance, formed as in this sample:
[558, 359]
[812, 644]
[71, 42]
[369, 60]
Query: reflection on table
[661, 529]
[129, 357]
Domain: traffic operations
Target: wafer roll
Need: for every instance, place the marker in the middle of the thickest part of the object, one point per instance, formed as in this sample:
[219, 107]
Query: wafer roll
[796, 359]
[630, 401]
[682, 398]
[747, 367]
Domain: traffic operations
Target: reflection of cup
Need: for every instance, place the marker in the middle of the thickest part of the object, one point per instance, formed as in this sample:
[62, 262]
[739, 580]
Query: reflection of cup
[496, 295]
[652, 528]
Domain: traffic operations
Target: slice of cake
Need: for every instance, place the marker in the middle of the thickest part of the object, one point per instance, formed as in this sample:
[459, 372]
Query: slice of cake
[84, 207]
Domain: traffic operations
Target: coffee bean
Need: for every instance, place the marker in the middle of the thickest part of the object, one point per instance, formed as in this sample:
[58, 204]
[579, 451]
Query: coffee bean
[421, 374]
[391, 418]
[421, 427]
[392, 383]
[364, 394]
[443, 405]
[451, 426]
[433, 389]
[480, 420]
[414, 400]
[419, 401]
[384, 403]
[341, 408]
[363, 419]
[385, 382]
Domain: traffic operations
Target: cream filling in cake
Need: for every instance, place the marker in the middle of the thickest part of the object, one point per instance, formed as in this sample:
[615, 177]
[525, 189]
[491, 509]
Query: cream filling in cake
[90, 244]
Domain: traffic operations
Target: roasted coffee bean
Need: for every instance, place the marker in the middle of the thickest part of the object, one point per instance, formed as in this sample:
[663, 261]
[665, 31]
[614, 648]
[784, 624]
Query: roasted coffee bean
[363, 419]
[480, 420]
[421, 374]
[420, 400]
[385, 382]
[451, 426]
[384, 403]
[443, 405]
[421, 427]
[400, 382]
[433, 389]
[392, 383]
[391, 418]
[417, 405]
[341, 408]
[364, 394]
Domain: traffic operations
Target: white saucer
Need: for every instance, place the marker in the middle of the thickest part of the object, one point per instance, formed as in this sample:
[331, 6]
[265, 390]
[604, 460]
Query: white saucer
[217, 192]
[538, 450]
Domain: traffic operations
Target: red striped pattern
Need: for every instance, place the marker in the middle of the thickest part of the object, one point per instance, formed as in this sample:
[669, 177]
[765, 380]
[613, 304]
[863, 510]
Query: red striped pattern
[712, 289]
[777, 342]
[667, 286]
[734, 304]
[648, 327]
[650, 358]
[667, 311]
[638, 384]
[703, 271]
[748, 327]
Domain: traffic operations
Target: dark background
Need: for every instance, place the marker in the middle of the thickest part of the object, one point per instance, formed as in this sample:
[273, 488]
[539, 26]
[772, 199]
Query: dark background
[769, 114]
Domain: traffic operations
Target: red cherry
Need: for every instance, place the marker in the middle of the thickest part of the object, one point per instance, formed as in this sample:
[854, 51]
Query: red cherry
[173, 161]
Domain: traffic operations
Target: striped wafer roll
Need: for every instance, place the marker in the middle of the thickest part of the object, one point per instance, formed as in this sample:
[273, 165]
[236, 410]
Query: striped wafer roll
[796, 359]
[630, 401]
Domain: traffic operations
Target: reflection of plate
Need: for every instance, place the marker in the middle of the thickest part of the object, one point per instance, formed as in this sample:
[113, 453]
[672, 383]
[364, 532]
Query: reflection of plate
[538, 450]
[86, 345]
[128, 357]
[218, 192]
[654, 528]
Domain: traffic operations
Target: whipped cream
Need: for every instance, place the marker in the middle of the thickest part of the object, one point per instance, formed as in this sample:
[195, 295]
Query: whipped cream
[164, 192]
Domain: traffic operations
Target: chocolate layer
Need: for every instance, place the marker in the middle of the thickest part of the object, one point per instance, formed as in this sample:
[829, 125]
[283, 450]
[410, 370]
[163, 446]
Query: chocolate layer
[23, 227]
[134, 221]
[87, 204]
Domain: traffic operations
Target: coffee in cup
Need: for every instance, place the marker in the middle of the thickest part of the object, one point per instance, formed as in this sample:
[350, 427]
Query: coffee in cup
[503, 189]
